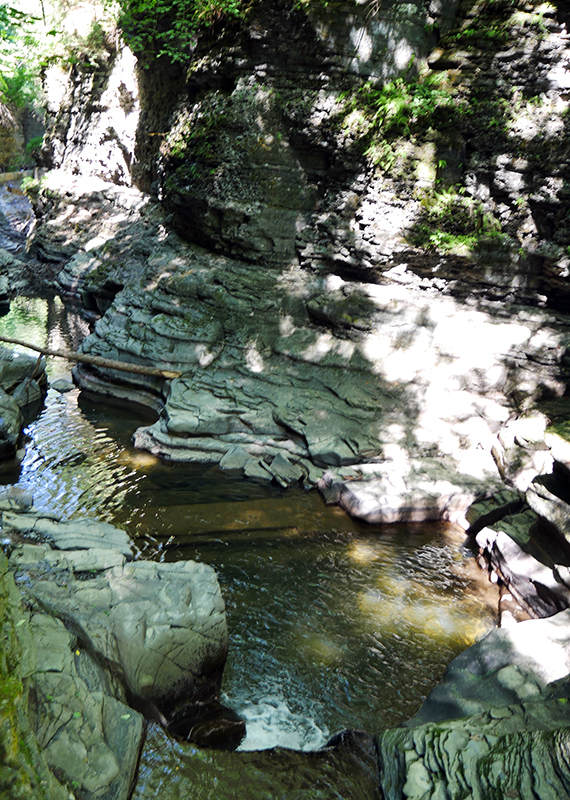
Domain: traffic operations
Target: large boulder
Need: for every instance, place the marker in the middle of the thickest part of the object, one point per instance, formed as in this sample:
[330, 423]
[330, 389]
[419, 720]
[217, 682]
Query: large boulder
[104, 634]
[86, 734]
[24, 771]
[160, 628]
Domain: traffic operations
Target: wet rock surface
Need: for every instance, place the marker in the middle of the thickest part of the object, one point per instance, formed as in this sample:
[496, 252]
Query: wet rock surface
[23, 385]
[104, 634]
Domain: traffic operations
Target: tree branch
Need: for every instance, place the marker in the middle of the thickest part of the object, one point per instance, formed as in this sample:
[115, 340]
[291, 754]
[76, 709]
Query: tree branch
[97, 361]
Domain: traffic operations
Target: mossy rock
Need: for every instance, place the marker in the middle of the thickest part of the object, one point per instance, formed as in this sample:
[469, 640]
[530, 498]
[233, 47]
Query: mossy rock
[24, 774]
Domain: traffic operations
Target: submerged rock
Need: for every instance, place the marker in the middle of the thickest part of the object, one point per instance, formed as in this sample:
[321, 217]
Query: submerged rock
[208, 725]
[348, 769]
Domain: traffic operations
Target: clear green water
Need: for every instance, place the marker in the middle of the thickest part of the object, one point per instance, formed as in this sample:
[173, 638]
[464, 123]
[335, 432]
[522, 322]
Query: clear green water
[333, 624]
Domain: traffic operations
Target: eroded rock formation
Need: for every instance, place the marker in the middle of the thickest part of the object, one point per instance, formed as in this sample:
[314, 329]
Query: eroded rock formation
[296, 267]
[102, 636]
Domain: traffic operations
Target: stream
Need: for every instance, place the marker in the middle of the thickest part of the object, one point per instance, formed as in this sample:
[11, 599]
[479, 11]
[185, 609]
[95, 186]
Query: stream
[333, 624]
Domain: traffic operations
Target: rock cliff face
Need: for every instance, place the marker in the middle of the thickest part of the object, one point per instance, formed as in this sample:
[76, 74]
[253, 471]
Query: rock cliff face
[341, 291]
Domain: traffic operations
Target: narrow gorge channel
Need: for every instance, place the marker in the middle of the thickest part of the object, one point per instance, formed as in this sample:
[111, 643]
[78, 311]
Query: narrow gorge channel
[333, 623]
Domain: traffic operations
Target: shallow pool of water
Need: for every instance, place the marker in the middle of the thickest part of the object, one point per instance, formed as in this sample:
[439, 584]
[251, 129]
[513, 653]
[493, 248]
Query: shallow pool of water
[332, 623]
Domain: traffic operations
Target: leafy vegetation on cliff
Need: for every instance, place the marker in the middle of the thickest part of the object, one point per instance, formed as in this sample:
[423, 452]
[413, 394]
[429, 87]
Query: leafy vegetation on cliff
[156, 28]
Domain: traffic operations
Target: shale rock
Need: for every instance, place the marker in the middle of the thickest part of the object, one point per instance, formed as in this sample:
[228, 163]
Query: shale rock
[85, 533]
[519, 750]
[507, 667]
[86, 734]
[104, 631]
[496, 725]
[322, 372]
[24, 771]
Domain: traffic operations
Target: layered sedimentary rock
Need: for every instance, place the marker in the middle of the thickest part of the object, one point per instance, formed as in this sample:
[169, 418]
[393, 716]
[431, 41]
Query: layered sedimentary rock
[496, 726]
[296, 268]
[387, 383]
[316, 326]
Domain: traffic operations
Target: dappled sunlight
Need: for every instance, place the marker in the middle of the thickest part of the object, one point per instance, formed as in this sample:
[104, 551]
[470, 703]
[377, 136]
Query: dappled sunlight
[139, 460]
[325, 344]
[439, 619]
[254, 359]
[546, 118]
[543, 645]
[320, 648]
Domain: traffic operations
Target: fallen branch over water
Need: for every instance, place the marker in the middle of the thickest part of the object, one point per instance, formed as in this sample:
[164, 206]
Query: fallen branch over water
[96, 361]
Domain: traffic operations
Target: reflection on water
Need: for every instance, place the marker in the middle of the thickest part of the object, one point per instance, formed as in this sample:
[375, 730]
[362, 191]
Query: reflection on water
[332, 623]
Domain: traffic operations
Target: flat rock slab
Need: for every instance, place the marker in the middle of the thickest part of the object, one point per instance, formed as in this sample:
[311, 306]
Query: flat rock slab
[403, 490]
[77, 534]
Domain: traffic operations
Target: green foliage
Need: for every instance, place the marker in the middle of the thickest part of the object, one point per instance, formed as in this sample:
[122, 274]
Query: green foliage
[11, 22]
[19, 86]
[157, 28]
[480, 31]
[18, 82]
[33, 144]
[562, 428]
[405, 104]
[453, 222]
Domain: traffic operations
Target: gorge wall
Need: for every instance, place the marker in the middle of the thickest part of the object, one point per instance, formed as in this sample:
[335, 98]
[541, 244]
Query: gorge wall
[328, 207]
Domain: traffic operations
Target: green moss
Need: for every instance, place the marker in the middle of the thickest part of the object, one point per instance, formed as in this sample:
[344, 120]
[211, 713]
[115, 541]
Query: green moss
[562, 429]
[453, 223]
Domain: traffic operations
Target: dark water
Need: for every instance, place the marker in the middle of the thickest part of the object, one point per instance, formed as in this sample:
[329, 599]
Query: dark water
[332, 623]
